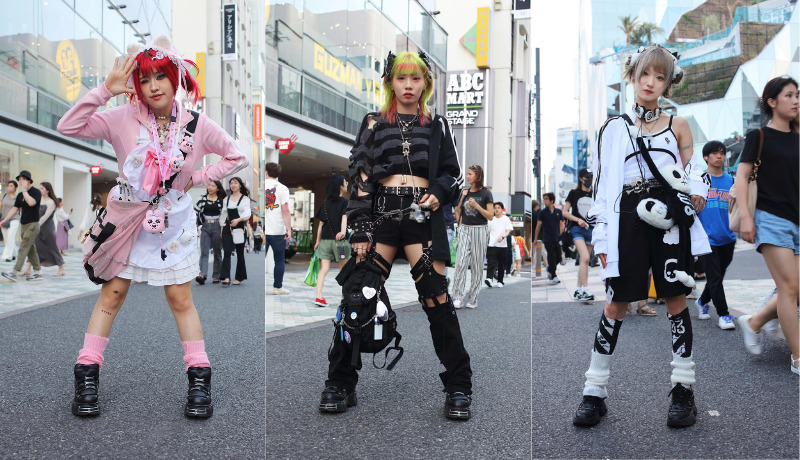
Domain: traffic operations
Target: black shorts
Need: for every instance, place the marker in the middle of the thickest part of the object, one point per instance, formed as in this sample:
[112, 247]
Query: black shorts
[641, 249]
[399, 230]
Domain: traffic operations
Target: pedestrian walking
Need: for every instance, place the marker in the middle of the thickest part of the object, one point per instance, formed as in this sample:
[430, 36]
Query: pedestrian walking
[722, 240]
[277, 224]
[773, 228]
[95, 206]
[331, 245]
[11, 227]
[632, 151]
[474, 211]
[62, 227]
[520, 250]
[576, 207]
[235, 214]
[209, 211]
[405, 158]
[550, 226]
[150, 133]
[27, 204]
[258, 235]
[499, 229]
[46, 246]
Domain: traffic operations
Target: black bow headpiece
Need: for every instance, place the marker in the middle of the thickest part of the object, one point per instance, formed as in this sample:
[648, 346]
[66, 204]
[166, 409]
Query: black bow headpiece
[388, 63]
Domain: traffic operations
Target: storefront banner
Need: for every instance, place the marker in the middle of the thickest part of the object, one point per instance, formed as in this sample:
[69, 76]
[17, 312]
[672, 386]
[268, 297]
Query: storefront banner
[257, 112]
[229, 32]
[482, 39]
[200, 60]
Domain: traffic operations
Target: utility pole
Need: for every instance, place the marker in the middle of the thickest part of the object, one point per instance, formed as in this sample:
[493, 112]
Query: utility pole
[537, 163]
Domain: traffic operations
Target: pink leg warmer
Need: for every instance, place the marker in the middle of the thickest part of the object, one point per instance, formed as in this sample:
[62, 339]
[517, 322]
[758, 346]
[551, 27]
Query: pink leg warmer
[195, 354]
[92, 351]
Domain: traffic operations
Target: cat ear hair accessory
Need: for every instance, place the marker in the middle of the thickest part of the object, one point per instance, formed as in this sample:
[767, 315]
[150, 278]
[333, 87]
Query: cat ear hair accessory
[387, 66]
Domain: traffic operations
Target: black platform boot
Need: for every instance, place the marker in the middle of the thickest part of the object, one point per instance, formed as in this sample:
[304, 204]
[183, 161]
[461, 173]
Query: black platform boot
[87, 383]
[198, 400]
[335, 399]
[449, 346]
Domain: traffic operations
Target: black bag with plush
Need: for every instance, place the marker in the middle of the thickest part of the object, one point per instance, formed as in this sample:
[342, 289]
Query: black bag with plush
[365, 321]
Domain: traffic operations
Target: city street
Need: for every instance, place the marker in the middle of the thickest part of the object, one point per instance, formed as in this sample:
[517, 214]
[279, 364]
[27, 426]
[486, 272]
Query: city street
[399, 412]
[747, 405]
[142, 383]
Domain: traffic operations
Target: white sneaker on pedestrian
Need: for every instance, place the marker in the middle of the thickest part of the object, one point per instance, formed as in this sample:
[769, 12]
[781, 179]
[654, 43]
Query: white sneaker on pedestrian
[488, 282]
[553, 280]
[726, 322]
[280, 291]
[472, 305]
[702, 311]
[499, 284]
[773, 330]
[795, 365]
[457, 304]
[695, 294]
[752, 339]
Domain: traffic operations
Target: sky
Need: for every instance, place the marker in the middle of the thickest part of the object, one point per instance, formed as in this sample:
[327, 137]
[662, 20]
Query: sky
[554, 30]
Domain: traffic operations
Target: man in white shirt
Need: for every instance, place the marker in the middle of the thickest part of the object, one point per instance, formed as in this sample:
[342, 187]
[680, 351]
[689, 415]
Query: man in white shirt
[277, 223]
[499, 228]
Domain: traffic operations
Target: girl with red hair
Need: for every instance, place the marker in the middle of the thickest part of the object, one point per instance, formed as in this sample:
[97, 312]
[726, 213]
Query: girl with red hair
[159, 146]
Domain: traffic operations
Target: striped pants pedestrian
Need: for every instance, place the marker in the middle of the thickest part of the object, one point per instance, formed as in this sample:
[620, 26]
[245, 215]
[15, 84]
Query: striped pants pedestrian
[472, 241]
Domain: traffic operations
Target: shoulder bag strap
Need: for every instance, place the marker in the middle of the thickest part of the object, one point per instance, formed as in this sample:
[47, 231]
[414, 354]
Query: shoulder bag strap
[754, 173]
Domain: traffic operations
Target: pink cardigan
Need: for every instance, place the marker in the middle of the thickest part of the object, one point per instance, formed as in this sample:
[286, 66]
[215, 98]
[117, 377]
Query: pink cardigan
[120, 127]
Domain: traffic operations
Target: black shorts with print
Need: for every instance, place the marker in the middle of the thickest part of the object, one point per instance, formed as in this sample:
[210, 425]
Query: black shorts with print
[642, 248]
[399, 230]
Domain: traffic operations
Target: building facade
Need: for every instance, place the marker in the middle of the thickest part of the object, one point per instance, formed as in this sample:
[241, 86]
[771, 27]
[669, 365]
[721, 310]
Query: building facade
[728, 50]
[489, 84]
[51, 54]
[226, 41]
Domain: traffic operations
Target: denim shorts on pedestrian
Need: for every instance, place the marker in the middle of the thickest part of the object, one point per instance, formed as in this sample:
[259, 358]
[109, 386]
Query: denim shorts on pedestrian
[777, 231]
[580, 233]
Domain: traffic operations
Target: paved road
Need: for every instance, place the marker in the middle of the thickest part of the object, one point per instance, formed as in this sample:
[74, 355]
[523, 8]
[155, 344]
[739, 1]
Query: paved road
[143, 386]
[748, 405]
[399, 414]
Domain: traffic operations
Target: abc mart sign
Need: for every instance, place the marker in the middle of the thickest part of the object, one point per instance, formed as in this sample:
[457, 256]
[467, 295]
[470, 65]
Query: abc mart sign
[466, 91]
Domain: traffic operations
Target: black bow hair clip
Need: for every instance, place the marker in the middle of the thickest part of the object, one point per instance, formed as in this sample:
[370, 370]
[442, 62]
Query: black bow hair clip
[427, 61]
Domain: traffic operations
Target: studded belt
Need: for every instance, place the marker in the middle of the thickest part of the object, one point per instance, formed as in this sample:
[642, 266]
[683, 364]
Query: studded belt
[403, 190]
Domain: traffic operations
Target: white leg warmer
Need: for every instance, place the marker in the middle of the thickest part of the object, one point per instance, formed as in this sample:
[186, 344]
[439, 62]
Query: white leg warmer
[682, 370]
[597, 375]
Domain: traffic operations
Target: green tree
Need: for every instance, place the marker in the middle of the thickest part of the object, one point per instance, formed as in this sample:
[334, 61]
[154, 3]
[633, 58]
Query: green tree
[643, 35]
[628, 27]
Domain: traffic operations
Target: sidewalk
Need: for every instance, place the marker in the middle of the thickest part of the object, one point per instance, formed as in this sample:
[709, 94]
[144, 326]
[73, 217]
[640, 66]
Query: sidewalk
[298, 309]
[744, 296]
[25, 295]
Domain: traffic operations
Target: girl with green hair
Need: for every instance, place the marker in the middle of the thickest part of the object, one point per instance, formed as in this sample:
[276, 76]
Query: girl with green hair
[404, 168]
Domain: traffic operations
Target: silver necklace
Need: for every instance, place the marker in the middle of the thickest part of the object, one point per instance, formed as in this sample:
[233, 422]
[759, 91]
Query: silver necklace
[405, 126]
[406, 146]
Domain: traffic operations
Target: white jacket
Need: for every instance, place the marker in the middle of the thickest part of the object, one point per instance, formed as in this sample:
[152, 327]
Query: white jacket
[608, 161]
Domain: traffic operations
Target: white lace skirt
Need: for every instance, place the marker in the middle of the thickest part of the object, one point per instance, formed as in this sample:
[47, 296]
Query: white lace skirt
[182, 272]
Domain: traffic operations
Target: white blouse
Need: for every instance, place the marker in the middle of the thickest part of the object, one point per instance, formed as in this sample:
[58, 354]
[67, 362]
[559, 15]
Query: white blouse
[243, 208]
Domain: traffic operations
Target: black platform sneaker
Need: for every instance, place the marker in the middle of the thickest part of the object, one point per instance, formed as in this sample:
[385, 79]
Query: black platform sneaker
[198, 399]
[590, 411]
[87, 382]
[456, 406]
[335, 399]
[682, 411]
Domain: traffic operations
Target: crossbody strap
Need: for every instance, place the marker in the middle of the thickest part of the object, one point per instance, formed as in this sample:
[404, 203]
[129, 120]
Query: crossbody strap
[754, 173]
[647, 158]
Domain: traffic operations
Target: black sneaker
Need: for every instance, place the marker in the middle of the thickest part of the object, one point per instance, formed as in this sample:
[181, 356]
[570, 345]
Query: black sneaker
[87, 383]
[590, 410]
[335, 399]
[456, 406]
[198, 397]
[682, 411]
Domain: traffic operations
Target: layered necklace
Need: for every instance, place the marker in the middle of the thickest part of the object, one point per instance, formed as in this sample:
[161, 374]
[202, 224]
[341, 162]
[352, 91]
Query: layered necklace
[405, 128]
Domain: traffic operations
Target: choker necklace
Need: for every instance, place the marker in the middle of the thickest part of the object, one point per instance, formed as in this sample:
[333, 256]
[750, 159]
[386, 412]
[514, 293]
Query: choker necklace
[405, 126]
[645, 114]
[162, 118]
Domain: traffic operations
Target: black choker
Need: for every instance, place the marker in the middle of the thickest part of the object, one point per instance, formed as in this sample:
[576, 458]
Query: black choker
[645, 114]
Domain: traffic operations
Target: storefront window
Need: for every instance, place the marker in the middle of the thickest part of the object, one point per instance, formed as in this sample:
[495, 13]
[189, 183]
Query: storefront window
[397, 11]
[9, 162]
[323, 105]
[40, 164]
[290, 87]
